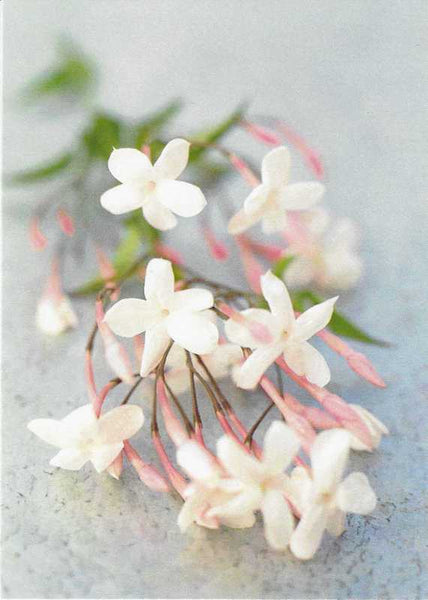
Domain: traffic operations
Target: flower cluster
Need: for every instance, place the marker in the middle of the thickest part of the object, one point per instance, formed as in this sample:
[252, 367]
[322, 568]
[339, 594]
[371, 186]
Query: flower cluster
[197, 332]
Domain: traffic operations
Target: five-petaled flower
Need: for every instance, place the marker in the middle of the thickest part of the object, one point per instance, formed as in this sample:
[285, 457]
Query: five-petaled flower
[324, 499]
[153, 187]
[264, 482]
[165, 315]
[82, 437]
[270, 201]
[289, 336]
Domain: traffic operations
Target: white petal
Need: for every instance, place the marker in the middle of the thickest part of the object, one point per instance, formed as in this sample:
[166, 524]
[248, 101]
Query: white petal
[71, 459]
[278, 298]
[178, 379]
[255, 203]
[336, 522]
[104, 455]
[300, 272]
[374, 425]
[274, 221]
[277, 519]
[155, 344]
[294, 357]
[158, 215]
[280, 447]
[132, 316]
[196, 461]
[242, 221]
[122, 199]
[306, 538]
[159, 281]
[299, 488]
[244, 502]
[183, 199]
[240, 521]
[49, 430]
[316, 369]
[301, 196]
[80, 422]
[276, 167]
[120, 423]
[129, 165]
[239, 333]
[329, 455]
[314, 319]
[193, 331]
[355, 494]
[249, 373]
[238, 462]
[192, 299]
[173, 159]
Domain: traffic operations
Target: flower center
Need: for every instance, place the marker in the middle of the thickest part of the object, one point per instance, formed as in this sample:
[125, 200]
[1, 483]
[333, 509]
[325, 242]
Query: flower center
[164, 312]
[150, 187]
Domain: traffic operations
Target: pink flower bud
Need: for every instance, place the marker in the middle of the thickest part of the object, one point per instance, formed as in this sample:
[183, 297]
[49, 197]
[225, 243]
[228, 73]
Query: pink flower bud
[173, 425]
[217, 249]
[65, 222]
[116, 467]
[37, 239]
[262, 134]
[311, 157]
[115, 354]
[54, 313]
[253, 269]
[169, 253]
[146, 472]
[244, 170]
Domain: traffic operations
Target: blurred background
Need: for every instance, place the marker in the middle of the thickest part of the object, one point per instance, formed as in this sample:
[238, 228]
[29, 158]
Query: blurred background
[351, 76]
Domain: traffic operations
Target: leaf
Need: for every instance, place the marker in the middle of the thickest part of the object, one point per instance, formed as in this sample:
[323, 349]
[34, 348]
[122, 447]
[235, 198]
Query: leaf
[339, 324]
[45, 171]
[146, 129]
[281, 265]
[90, 287]
[128, 249]
[214, 134]
[146, 232]
[101, 136]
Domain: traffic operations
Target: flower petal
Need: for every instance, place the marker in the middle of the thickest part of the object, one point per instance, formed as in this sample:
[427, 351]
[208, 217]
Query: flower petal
[196, 461]
[183, 199]
[239, 333]
[104, 455]
[374, 425]
[329, 455]
[81, 421]
[238, 463]
[155, 344]
[276, 167]
[242, 221]
[71, 459]
[246, 501]
[193, 331]
[129, 165]
[316, 369]
[120, 423]
[300, 272]
[277, 519]
[122, 199]
[301, 196]
[336, 522]
[49, 430]
[240, 521]
[158, 215]
[132, 316]
[249, 373]
[191, 299]
[306, 538]
[314, 319]
[173, 159]
[355, 494]
[280, 447]
[255, 203]
[274, 220]
[159, 281]
[278, 298]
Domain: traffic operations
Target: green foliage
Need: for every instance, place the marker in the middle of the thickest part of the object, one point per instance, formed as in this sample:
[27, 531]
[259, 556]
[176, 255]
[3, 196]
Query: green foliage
[128, 249]
[45, 171]
[145, 130]
[102, 134]
[339, 324]
[281, 265]
[147, 233]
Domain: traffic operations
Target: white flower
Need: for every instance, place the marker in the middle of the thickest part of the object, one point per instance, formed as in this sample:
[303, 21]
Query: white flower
[325, 502]
[264, 482]
[374, 425]
[54, 315]
[324, 256]
[289, 336]
[153, 187]
[270, 201]
[165, 315]
[218, 362]
[82, 437]
[209, 488]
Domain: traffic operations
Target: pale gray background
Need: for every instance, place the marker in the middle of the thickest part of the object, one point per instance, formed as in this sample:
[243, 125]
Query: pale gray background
[351, 75]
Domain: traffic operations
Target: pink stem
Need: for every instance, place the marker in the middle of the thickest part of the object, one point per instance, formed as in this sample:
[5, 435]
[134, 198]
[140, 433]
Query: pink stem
[311, 157]
[217, 249]
[97, 402]
[244, 170]
[148, 474]
[177, 480]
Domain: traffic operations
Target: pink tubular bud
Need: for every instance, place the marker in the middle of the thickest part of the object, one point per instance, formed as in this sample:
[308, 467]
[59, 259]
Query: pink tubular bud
[95, 399]
[252, 267]
[262, 134]
[311, 157]
[65, 222]
[177, 480]
[138, 349]
[145, 149]
[217, 249]
[259, 331]
[116, 467]
[169, 253]
[37, 239]
[173, 425]
[55, 313]
[244, 170]
[148, 474]
[107, 271]
[268, 251]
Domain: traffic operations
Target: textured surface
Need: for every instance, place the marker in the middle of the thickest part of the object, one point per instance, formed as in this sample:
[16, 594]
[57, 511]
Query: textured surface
[350, 75]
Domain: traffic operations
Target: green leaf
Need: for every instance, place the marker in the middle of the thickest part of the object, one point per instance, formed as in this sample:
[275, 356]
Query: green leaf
[101, 136]
[145, 130]
[128, 249]
[216, 133]
[281, 265]
[45, 171]
[91, 287]
[339, 324]
[146, 232]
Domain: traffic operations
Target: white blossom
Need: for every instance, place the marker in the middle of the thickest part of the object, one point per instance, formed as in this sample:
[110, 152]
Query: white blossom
[153, 188]
[165, 315]
[270, 201]
[82, 437]
[373, 424]
[289, 336]
[324, 499]
[54, 315]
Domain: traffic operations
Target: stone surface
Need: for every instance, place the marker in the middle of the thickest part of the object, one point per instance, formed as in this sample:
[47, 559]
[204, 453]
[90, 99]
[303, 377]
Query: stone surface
[350, 75]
